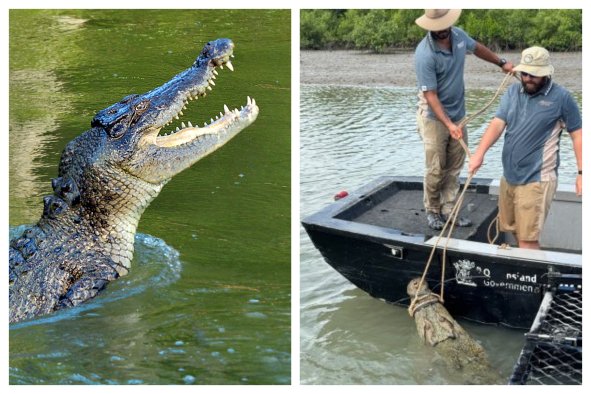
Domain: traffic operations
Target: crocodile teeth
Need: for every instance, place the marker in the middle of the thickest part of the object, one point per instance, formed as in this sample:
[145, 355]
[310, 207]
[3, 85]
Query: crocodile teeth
[215, 72]
[190, 125]
[211, 82]
[226, 110]
[230, 66]
[183, 125]
[208, 87]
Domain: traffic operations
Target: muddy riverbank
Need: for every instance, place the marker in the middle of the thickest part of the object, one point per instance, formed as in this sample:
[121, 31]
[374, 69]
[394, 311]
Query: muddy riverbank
[345, 67]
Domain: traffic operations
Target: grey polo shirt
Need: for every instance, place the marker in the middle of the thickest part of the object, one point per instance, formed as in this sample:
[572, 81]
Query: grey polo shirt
[532, 133]
[443, 71]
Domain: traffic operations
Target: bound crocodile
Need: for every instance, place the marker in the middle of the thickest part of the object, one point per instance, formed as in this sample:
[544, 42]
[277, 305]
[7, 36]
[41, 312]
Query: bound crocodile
[437, 328]
[107, 177]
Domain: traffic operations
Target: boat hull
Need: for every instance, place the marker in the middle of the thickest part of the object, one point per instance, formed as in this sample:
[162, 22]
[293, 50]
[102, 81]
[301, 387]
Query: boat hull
[482, 282]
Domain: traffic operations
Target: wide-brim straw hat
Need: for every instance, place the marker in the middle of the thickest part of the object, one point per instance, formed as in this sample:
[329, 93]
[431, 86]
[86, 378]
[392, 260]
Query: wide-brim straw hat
[535, 61]
[436, 20]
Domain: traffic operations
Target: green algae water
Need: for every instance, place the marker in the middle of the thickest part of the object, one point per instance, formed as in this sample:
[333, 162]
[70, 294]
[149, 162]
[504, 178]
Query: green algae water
[207, 300]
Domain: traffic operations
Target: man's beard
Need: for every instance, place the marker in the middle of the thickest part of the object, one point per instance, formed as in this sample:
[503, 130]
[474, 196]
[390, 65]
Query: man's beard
[532, 87]
[441, 35]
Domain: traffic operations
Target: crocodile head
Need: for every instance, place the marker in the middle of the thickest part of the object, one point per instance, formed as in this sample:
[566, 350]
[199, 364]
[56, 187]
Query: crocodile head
[111, 173]
[132, 127]
[417, 287]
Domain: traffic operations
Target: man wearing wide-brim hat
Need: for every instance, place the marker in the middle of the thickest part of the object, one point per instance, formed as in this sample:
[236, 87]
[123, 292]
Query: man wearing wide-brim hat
[439, 61]
[533, 115]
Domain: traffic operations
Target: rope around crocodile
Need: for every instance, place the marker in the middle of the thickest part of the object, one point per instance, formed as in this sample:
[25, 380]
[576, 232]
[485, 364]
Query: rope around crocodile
[456, 209]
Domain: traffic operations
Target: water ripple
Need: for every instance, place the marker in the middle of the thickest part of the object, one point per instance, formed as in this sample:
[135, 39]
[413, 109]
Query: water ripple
[155, 264]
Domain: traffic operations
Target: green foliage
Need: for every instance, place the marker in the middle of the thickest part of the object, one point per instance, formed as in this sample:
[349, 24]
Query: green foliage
[320, 27]
[383, 29]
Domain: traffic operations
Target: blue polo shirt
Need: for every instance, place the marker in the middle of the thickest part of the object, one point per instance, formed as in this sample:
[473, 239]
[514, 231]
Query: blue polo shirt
[442, 70]
[532, 133]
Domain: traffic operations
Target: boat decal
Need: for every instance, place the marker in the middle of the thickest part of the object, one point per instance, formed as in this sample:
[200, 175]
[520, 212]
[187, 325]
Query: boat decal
[468, 273]
[522, 287]
[517, 282]
[464, 272]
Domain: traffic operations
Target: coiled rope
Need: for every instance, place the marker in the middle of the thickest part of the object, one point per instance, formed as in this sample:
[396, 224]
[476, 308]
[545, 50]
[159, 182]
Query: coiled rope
[456, 209]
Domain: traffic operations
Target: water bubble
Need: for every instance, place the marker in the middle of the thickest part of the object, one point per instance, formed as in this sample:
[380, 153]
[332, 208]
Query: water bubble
[189, 379]
[256, 315]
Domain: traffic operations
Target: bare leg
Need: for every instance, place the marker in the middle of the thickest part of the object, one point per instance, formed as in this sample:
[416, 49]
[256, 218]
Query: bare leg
[529, 244]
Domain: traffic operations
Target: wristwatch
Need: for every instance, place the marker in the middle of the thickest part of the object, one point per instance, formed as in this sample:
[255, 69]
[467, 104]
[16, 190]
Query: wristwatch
[502, 62]
[580, 172]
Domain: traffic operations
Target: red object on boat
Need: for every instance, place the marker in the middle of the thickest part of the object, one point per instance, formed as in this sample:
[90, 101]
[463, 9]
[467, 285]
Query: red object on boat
[341, 194]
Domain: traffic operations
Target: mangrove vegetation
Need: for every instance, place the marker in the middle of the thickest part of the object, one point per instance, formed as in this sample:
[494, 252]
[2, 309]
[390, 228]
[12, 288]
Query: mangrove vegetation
[383, 30]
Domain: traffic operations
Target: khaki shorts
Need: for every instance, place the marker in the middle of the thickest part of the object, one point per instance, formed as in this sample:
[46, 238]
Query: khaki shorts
[523, 208]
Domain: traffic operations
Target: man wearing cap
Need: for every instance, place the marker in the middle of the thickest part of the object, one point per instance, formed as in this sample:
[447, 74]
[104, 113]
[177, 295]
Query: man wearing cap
[439, 62]
[533, 116]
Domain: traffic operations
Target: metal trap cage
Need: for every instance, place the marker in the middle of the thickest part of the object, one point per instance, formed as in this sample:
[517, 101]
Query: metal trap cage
[553, 351]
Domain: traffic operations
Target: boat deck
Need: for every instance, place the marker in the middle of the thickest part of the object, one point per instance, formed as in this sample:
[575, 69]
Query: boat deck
[402, 208]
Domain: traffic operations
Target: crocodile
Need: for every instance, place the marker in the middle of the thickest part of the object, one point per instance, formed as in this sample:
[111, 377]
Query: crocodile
[437, 328]
[107, 177]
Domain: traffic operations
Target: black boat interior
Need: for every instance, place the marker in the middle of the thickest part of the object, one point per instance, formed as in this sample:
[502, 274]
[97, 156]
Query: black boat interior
[399, 205]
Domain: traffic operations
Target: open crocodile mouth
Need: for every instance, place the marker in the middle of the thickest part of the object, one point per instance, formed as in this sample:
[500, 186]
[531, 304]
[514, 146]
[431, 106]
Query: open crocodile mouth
[225, 121]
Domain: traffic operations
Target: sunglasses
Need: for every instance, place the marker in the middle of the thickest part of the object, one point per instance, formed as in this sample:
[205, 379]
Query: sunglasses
[524, 74]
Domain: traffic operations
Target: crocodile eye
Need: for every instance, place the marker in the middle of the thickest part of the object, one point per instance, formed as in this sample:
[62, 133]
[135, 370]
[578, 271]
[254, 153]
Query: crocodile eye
[142, 106]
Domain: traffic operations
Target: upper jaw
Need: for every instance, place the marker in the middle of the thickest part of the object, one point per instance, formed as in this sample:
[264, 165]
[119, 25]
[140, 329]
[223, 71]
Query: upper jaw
[171, 152]
[170, 99]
